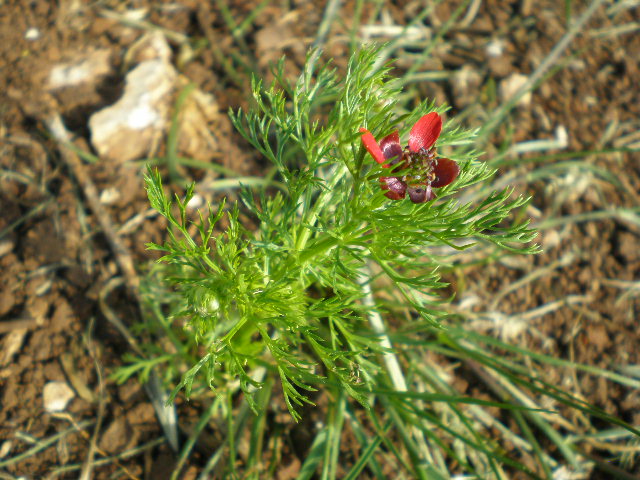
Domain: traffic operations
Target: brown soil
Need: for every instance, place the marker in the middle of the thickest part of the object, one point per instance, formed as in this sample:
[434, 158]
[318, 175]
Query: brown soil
[55, 261]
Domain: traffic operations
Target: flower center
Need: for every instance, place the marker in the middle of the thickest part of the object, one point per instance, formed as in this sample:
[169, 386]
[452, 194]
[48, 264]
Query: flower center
[418, 166]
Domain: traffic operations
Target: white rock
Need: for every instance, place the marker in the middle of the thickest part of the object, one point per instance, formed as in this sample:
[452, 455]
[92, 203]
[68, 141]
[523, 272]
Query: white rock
[57, 396]
[86, 69]
[127, 129]
[510, 85]
[562, 137]
[135, 15]
[495, 48]
[11, 344]
[5, 448]
[32, 34]
[109, 196]
[196, 202]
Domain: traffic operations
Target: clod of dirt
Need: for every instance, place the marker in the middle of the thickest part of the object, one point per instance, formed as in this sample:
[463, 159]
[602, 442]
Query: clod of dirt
[198, 118]
[57, 396]
[118, 436]
[129, 128]
[63, 316]
[629, 247]
[141, 414]
[272, 39]
[7, 301]
[129, 392]
[290, 471]
[86, 69]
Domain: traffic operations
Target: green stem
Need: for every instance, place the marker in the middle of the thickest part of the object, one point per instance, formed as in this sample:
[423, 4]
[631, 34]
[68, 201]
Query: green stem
[312, 216]
[318, 248]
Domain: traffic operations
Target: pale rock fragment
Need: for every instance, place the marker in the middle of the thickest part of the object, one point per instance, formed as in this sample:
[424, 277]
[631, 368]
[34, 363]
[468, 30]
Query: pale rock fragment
[32, 34]
[196, 202]
[5, 448]
[465, 83]
[127, 129]
[57, 396]
[109, 196]
[510, 86]
[562, 136]
[6, 246]
[11, 344]
[495, 47]
[550, 239]
[151, 46]
[133, 126]
[86, 69]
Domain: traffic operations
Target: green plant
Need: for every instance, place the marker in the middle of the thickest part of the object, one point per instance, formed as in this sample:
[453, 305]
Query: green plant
[294, 296]
[336, 289]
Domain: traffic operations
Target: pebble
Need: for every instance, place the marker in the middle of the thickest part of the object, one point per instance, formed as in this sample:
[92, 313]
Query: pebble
[57, 396]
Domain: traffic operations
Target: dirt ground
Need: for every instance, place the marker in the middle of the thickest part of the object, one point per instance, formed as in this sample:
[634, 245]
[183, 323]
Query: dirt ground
[57, 267]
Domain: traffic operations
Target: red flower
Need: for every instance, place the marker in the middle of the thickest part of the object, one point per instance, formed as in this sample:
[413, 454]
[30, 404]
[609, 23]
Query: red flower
[422, 169]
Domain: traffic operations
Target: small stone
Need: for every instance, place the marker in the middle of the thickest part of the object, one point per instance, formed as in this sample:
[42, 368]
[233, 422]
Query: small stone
[510, 86]
[562, 137]
[87, 69]
[495, 48]
[465, 83]
[32, 34]
[11, 344]
[551, 239]
[57, 396]
[196, 202]
[127, 129]
[5, 448]
[151, 46]
[6, 246]
[109, 196]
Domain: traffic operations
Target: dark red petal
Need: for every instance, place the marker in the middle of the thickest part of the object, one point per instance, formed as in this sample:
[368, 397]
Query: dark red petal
[425, 132]
[396, 187]
[369, 142]
[445, 170]
[391, 147]
[421, 194]
[392, 152]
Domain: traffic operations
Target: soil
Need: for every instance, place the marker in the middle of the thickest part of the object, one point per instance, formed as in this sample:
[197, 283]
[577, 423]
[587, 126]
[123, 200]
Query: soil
[56, 263]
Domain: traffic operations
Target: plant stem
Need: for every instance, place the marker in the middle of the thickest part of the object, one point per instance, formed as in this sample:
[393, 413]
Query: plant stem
[389, 358]
[311, 218]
